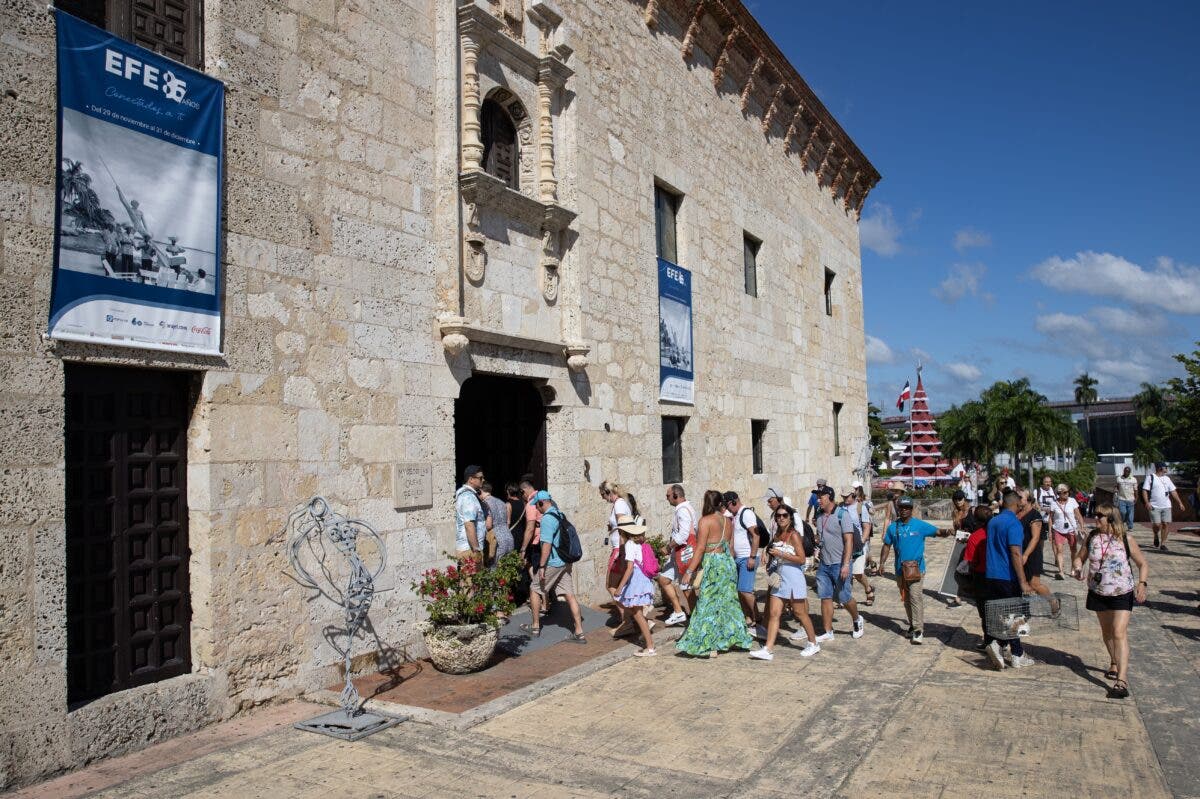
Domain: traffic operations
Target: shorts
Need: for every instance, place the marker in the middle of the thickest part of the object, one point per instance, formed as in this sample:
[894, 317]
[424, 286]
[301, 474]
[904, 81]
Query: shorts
[1160, 515]
[558, 580]
[830, 584]
[1064, 538]
[1100, 602]
[859, 564]
[745, 577]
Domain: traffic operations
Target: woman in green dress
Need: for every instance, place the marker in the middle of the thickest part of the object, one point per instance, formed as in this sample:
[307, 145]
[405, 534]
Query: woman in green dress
[717, 624]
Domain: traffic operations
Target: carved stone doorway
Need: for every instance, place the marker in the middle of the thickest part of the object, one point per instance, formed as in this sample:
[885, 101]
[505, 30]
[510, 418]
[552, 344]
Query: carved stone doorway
[500, 424]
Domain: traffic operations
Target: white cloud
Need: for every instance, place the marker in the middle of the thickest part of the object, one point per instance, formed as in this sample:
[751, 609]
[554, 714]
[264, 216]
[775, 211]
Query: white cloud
[923, 356]
[1168, 285]
[879, 231]
[963, 371]
[969, 237]
[878, 351]
[963, 280]
[1118, 321]
[1063, 324]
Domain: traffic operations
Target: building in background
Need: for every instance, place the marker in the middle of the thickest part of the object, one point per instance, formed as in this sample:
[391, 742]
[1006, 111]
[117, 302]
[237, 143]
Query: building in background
[443, 230]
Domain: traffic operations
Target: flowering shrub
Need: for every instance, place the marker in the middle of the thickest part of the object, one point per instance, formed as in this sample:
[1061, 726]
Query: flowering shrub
[659, 544]
[468, 592]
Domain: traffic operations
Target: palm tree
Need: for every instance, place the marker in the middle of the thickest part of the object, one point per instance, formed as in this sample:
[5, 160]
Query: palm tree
[74, 180]
[1149, 402]
[1085, 395]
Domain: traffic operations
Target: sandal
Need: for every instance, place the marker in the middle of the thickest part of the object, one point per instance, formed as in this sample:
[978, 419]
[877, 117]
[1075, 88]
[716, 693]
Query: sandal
[1112, 672]
[870, 600]
[1120, 690]
[535, 631]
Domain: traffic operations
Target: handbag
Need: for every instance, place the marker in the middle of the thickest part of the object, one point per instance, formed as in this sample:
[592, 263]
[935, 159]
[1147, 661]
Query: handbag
[910, 570]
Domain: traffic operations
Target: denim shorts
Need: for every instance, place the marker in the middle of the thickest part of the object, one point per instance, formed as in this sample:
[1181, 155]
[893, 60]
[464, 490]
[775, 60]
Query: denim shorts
[745, 581]
[830, 584]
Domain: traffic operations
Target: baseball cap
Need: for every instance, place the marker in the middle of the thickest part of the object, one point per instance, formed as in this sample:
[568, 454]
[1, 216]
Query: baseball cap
[773, 493]
[849, 492]
[471, 471]
[904, 502]
[821, 481]
[542, 496]
[826, 491]
[856, 484]
[957, 495]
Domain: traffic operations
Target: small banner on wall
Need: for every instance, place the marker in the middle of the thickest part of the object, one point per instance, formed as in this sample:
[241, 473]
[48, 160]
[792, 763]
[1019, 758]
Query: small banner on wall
[137, 236]
[675, 353]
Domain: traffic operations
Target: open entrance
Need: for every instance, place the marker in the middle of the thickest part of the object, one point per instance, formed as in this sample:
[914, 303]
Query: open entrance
[500, 424]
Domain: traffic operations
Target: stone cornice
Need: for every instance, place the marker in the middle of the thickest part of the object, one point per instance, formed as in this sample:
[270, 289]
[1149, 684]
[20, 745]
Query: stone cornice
[738, 28]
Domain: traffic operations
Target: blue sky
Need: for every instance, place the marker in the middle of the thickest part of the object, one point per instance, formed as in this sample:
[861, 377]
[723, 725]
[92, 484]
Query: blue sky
[1038, 214]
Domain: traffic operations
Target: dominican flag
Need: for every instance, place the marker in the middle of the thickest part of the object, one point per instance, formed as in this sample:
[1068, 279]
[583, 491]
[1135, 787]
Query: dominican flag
[905, 396]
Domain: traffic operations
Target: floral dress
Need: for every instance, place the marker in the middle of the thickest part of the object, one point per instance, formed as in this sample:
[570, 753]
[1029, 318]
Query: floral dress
[717, 623]
[1108, 571]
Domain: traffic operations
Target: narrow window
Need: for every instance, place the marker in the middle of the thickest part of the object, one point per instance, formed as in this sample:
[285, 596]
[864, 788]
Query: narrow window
[829, 276]
[666, 206]
[758, 427]
[500, 152]
[672, 448]
[172, 28]
[837, 435]
[750, 247]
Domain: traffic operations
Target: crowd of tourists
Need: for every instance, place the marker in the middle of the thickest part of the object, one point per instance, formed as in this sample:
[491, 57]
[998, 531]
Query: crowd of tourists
[708, 576]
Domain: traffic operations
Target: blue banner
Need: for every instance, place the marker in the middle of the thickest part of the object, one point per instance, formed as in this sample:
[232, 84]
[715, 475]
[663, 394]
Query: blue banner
[137, 248]
[675, 352]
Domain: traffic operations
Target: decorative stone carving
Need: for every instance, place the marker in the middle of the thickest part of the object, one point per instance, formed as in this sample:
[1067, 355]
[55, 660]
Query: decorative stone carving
[551, 260]
[550, 283]
[748, 89]
[651, 15]
[689, 38]
[472, 142]
[454, 334]
[475, 256]
[723, 58]
[769, 117]
[576, 353]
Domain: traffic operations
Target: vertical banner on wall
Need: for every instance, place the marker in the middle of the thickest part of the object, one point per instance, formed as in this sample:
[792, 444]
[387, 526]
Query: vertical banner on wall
[675, 353]
[137, 236]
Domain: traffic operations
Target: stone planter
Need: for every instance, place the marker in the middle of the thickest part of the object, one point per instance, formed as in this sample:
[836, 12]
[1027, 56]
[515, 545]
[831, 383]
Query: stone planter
[460, 648]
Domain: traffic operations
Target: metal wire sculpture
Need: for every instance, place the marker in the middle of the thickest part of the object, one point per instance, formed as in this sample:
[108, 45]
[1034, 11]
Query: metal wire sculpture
[313, 529]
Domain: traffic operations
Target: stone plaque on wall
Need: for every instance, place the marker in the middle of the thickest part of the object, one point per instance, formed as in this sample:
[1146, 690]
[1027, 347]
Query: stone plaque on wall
[412, 485]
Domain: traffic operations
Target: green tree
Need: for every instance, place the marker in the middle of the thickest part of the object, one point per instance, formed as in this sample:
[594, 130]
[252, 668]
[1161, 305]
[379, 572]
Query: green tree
[881, 444]
[1183, 409]
[1085, 395]
[1150, 402]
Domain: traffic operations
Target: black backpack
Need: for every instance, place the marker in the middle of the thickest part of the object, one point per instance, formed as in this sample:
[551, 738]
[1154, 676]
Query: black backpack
[764, 535]
[809, 539]
[566, 544]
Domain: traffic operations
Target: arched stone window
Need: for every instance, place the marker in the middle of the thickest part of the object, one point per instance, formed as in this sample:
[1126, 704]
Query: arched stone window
[501, 152]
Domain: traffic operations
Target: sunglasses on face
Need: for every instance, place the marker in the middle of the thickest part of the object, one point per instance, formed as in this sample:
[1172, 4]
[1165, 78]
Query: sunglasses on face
[783, 515]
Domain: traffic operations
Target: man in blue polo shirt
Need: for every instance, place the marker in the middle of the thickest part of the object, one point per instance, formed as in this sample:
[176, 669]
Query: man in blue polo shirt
[1005, 575]
[907, 535]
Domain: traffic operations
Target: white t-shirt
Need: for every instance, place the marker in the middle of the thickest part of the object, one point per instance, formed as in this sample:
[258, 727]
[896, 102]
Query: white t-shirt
[1160, 489]
[633, 552]
[741, 534]
[682, 523]
[1127, 488]
[864, 516]
[619, 507]
[1064, 515]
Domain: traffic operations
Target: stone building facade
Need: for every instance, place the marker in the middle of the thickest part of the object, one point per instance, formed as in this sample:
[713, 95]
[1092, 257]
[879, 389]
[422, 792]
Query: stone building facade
[418, 195]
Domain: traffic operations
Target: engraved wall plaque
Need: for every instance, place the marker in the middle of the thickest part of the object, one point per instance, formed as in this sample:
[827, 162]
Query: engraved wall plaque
[412, 485]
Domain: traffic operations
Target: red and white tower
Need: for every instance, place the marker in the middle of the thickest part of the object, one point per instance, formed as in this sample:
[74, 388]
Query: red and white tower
[922, 458]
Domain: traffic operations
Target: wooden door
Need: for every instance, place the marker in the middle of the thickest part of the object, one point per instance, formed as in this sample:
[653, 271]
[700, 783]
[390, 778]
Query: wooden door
[128, 607]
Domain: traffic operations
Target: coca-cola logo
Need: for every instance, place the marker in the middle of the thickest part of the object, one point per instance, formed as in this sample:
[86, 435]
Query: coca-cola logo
[204, 331]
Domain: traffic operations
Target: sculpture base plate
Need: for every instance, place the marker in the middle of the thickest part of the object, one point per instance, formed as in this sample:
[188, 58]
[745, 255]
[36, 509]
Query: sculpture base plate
[341, 725]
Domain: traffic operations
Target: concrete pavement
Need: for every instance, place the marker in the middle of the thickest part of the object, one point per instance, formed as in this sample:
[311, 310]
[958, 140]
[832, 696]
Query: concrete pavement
[872, 717]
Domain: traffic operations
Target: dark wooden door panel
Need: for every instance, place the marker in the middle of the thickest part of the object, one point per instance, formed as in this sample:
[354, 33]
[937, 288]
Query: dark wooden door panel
[128, 607]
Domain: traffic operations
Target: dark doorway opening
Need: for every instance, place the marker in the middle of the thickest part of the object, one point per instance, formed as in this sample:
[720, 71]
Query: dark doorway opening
[500, 424]
[128, 603]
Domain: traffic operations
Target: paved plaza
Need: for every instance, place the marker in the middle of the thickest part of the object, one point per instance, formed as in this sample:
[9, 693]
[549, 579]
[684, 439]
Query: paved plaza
[872, 717]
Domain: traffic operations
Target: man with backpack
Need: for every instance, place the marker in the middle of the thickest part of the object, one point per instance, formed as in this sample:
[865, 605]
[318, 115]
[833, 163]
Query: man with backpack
[552, 572]
[838, 538]
[747, 539]
[1157, 493]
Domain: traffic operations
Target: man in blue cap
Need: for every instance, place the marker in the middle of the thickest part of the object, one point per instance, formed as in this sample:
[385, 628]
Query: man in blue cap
[550, 572]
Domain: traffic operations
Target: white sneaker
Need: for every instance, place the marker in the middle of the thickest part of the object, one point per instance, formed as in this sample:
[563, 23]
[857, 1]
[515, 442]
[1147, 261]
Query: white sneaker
[645, 653]
[918, 637]
[678, 617]
[1021, 661]
[809, 651]
[799, 635]
[762, 654]
[992, 651]
[824, 637]
[860, 627]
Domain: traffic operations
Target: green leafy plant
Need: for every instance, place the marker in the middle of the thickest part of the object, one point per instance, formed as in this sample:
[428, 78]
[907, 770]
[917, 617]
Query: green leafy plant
[659, 544]
[468, 592]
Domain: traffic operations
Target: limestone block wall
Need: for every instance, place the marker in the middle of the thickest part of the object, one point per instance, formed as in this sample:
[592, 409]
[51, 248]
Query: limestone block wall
[331, 370]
